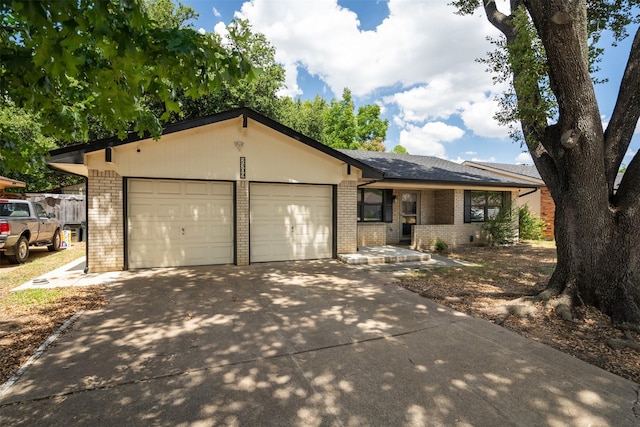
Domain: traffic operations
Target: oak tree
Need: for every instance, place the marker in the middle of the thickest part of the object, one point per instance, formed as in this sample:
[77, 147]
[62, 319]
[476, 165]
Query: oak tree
[67, 61]
[550, 58]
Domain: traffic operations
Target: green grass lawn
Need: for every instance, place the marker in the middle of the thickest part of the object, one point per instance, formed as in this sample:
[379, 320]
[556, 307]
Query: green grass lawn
[41, 262]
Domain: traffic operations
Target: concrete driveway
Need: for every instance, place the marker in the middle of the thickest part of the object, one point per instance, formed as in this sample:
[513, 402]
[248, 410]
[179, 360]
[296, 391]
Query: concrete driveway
[308, 344]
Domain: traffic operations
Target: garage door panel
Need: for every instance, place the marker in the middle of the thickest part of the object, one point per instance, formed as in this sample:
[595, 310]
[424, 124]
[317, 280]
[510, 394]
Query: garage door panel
[179, 223]
[291, 222]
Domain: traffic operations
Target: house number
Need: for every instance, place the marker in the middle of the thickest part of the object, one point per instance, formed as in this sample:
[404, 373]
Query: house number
[243, 167]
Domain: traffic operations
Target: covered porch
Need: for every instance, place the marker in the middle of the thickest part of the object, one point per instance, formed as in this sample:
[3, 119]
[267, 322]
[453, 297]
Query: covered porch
[420, 217]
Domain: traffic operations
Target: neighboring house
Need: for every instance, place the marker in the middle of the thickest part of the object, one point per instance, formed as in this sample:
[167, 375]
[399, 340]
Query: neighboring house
[539, 200]
[238, 188]
[10, 183]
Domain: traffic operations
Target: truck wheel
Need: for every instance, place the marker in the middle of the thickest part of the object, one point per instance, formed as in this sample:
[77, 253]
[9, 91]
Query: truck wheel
[22, 251]
[55, 242]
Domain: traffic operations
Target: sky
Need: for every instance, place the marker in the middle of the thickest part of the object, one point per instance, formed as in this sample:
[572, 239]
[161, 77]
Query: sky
[417, 59]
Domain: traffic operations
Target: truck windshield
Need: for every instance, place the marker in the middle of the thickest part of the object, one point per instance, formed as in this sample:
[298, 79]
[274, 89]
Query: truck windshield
[14, 209]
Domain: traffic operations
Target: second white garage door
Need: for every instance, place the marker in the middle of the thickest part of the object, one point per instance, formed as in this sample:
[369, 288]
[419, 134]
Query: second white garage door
[291, 222]
[175, 223]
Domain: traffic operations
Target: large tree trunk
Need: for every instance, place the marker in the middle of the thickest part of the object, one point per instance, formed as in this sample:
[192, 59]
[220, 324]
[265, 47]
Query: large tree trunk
[598, 257]
[597, 229]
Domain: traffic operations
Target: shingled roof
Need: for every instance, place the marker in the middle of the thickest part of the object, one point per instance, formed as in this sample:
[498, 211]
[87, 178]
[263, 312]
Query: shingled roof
[407, 167]
[525, 170]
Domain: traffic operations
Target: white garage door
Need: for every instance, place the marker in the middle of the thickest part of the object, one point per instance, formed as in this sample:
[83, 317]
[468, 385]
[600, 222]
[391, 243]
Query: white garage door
[291, 222]
[174, 223]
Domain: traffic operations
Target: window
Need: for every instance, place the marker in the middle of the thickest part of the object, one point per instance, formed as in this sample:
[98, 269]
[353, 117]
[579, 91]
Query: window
[40, 212]
[374, 205]
[480, 206]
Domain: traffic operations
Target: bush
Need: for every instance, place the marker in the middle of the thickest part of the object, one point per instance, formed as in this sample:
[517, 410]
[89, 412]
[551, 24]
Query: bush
[501, 229]
[530, 225]
[440, 246]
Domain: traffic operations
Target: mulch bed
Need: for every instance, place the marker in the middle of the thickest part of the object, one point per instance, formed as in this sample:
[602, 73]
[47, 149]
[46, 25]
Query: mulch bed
[507, 273]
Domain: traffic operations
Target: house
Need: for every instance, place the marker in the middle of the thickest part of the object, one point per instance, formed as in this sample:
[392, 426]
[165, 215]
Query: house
[422, 199]
[539, 200]
[10, 183]
[239, 188]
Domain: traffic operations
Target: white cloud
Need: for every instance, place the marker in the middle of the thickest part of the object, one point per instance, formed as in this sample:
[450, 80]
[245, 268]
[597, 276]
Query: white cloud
[427, 140]
[524, 159]
[216, 13]
[478, 116]
[630, 153]
[221, 28]
[406, 49]
[420, 58]
[202, 30]
[470, 153]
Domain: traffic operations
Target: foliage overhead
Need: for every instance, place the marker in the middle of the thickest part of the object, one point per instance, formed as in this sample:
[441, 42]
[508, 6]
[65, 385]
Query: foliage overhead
[336, 124]
[258, 92]
[166, 14]
[305, 117]
[399, 149]
[340, 123]
[369, 126]
[70, 60]
[19, 125]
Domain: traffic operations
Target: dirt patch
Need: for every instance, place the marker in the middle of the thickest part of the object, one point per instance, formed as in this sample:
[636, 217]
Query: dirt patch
[24, 326]
[503, 275]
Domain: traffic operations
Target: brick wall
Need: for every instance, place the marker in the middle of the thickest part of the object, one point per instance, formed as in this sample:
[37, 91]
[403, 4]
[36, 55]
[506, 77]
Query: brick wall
[242, 223]
[456, 232]
[105, 235]
[424, 236]
[445, 207]
[374, 234]
[347, 217]
[428, 207]
[393, 227]
[547, 212]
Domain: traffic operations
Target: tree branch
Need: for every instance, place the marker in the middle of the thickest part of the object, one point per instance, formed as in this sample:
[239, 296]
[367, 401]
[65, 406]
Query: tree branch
[628, 192]
[527, 90]
[625, 115]
[499, 20]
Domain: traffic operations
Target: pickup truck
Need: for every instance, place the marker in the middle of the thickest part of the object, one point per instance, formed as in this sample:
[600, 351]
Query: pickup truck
[23, 224]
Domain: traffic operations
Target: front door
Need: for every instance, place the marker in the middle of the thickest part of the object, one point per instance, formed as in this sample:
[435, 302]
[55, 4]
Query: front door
[408, 214]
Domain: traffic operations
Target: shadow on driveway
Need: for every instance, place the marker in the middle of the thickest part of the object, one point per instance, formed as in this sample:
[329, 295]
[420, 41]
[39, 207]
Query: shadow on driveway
[301, 343]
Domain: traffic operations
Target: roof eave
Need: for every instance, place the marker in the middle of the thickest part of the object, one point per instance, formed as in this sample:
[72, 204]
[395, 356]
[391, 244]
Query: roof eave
[459, 183]
[75, 154]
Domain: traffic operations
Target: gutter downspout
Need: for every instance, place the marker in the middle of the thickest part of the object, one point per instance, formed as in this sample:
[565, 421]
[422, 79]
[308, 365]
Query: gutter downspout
[530, 192]
[86, 225]
[369, 183]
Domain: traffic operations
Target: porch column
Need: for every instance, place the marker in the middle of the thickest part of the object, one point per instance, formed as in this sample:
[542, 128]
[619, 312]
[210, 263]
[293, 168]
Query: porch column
[347, 217]
[105, 226]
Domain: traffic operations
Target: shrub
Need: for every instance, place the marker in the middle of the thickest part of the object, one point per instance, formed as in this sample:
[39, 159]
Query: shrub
[440, 246]
[531, 226]
[501, 229]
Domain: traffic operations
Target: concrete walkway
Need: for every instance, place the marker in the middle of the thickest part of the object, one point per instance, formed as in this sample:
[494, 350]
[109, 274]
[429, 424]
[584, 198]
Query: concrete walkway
[71, 274]
[302, 343]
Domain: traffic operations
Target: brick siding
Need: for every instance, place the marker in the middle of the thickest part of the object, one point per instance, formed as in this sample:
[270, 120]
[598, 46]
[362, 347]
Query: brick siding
[547, 212]
[347, 217]
[105, 235]
[373, 234]
[242, 223]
